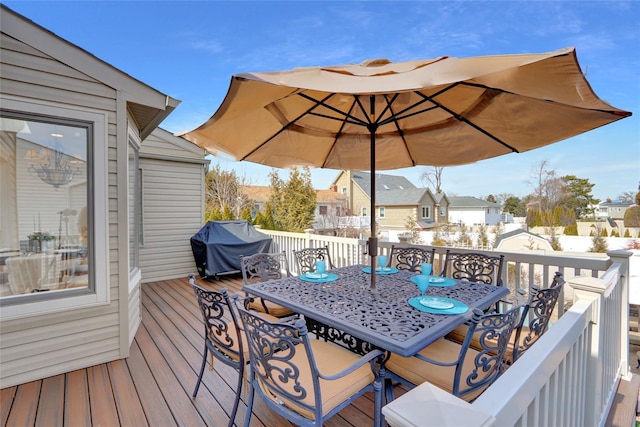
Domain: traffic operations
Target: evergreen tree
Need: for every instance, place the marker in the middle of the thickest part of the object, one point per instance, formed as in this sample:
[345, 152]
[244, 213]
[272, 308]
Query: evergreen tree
[294, 201]
[259, 220]
[598, 243]
[558, 215]
[464, 240]
[578, 195]
[554, 240]
[227, 213]
[483, 239]
[571, 230]
[215, 214]
[627, 233]
[514, 206]
[246, 215]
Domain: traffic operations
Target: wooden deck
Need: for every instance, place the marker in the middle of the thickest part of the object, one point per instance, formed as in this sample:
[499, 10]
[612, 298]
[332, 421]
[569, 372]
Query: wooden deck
[153, 386]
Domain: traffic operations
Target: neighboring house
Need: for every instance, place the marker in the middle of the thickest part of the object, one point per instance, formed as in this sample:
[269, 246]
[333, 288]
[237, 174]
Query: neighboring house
[259, 195]
[612, 210]
[172, 172]
[329, 205]
[71, 132]
[396, 200]
[473, 211]
[522, 241]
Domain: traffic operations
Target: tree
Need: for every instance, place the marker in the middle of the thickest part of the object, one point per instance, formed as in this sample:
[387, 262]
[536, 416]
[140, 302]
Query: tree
[433, 175]
[411, 225]
[491, 198]
[224, 188]
[577, 195]
[554, 240]
[483, 239]
[246, 215]
[598, 242]
[548, 189]
[514, 206]
[294, 201]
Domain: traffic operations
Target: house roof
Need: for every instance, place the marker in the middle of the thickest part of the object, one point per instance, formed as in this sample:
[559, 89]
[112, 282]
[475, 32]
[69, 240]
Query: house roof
[148, 106]
[513, 233]
[329, 196]
[409, 196]
[259, 193]
[471, 202]
[383, 182]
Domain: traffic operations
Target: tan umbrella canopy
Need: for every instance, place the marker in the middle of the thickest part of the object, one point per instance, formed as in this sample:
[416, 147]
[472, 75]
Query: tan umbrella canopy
[382, 115]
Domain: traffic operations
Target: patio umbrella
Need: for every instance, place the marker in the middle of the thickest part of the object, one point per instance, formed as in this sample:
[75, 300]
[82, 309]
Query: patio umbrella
[381, 115]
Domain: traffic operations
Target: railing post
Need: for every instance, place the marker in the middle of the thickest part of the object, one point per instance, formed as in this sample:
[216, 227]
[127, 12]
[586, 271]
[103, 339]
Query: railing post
[624, 259]
[592, 289]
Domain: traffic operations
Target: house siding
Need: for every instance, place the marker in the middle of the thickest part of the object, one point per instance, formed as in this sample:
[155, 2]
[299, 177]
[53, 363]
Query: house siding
[46, 345]
[172, 206]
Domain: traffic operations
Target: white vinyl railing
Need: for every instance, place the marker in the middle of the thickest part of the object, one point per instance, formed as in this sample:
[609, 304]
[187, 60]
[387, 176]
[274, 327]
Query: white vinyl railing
[568, 378]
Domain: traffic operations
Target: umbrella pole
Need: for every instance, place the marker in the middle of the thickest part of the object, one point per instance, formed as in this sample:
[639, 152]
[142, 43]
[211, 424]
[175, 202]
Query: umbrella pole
[373, 239]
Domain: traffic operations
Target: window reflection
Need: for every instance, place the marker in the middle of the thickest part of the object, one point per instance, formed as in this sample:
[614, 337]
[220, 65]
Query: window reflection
[44, 239]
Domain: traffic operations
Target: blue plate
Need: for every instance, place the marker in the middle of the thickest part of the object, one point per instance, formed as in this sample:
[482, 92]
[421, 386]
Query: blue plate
[317, 278]
[458, 306]
[386, 270]
[438, 281]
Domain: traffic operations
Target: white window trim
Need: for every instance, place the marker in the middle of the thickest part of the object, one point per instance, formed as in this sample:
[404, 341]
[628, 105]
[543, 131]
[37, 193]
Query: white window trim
[381, 212]
[428, 211]
[99, 295]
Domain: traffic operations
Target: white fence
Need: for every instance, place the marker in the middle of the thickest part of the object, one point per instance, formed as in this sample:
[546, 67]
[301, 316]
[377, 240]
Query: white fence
[568, 378]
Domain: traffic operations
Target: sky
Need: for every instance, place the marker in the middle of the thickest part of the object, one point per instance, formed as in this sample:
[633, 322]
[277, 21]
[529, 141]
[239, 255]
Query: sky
[190, 49]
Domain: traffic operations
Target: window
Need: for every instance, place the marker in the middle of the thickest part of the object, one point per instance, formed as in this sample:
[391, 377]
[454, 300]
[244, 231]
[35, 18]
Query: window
[381, 212]
[135, 204]
[322, 210]
[344, 190]
[364, 212]
[424, 212]
[50, 206]
[443, 211]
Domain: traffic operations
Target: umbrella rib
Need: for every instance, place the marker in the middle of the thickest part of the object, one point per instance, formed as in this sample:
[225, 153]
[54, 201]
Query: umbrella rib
[469, 122]
[286, 125]
[317, 102]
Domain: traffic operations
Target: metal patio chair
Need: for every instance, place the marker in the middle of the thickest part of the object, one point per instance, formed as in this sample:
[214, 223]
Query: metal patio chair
[306, 381]
[458, 368]
[474, 267]
[410, 257]
[262, 267]
[306, 259]
[533, 323]
[222, 336]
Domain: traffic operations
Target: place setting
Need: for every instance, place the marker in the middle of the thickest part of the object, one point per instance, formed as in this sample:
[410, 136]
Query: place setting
[320, 275]
[432, 303]
[426, 270]
[382, 267]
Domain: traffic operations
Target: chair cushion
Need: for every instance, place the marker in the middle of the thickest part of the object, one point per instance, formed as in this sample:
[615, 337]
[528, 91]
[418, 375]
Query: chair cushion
[272, 308]
[460, 333]
[233, 350]
[330, 359]
[417, 371]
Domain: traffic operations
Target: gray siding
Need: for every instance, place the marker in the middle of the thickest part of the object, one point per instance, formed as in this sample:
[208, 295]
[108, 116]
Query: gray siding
[173, 211]
[55, 343]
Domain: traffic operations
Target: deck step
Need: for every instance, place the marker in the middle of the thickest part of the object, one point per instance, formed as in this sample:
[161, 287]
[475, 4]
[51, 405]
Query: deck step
[625, 404]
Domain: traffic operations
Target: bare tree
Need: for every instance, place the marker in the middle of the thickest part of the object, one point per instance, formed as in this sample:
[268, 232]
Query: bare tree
[433, 175]
[548, 189]
[224, 188]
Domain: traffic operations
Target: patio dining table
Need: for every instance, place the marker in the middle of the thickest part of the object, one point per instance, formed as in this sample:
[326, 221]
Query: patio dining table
[347, 311]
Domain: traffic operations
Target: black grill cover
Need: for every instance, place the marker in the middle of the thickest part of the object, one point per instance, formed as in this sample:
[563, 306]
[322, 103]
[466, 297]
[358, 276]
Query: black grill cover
[218, 245]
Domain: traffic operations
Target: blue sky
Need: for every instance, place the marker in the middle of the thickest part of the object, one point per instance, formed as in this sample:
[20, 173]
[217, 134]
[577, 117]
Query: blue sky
[190, 49]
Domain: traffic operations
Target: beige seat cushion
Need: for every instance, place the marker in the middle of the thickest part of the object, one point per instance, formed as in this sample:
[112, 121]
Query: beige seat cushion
[460, 333]
[417, 371]
[330, 359]
[272, 308]
[233, 350]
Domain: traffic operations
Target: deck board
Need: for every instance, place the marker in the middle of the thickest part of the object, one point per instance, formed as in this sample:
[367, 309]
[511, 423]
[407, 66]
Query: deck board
[153, 386]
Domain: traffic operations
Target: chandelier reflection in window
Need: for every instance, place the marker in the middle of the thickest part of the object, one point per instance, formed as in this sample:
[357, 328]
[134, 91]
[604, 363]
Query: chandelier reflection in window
[52, 165]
